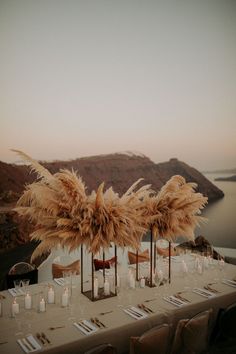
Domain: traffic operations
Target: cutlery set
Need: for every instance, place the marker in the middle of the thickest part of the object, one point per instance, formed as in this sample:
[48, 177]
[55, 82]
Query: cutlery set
[204, 292]
[16, 292]
[43, 338]
[135, 313]
[97, 322]
[145, 308]
[29, 344]
[86, 327]
[229, 282]
[174, 301]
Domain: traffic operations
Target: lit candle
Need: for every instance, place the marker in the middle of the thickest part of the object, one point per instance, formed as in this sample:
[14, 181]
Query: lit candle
[106, 287]
[95, 287]
[65, 298]
[42, 305]
[15, 308]
[184, 267]
[142, 282]
[28, 301]
[51, 295]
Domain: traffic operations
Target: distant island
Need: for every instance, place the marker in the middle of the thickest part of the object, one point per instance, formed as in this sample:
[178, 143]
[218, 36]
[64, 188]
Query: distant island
[226, 179]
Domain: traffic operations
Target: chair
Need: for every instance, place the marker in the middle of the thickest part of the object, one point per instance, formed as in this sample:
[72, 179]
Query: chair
[65, 264]
[21, 270]
[224, 333]
[142, 257]
[102, 349]
[154, 341]
[192, 335]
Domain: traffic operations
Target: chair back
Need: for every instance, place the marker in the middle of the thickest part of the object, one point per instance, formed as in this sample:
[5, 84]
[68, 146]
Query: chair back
[65, 264]
[156, 340]
[105, 348]
[192, 335]
[22, 270]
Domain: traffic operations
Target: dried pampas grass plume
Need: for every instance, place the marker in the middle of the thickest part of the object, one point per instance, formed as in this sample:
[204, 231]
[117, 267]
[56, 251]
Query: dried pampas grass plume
[175, 210]
[63, 214]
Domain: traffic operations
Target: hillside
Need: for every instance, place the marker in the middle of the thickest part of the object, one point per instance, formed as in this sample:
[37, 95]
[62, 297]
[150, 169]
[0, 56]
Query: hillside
[229, 179]
[117, 170]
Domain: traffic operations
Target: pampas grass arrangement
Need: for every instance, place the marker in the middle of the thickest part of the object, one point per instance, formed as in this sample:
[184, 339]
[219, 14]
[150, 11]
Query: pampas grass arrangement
[64, 214]
[175, 210]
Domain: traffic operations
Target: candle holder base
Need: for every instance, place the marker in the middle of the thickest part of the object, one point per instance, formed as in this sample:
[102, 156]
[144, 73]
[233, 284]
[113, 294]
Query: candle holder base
[101, 295]
[148, 283]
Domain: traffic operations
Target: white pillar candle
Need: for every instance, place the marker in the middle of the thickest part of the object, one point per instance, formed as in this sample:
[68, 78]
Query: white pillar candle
[142, 282]
[42, 305]
[106, 287]
[95, 284]
[51, 296]
[65, 298]
[131, 281]
[28, 301]
[15, 308]
[184, 267]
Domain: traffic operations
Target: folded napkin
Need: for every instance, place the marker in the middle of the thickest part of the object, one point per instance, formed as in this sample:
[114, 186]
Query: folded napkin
[229, 282]
[174, 301]
[16, 292]
[203, 292]
[60, 281]
[29, 342]
[86, 327]
[135, 313]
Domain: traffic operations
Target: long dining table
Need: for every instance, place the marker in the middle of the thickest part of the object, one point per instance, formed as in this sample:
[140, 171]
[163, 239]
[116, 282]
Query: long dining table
[57, 322]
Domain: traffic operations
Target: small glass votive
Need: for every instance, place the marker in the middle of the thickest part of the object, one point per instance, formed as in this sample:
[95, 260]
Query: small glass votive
[51, 295]
[65, 297]
[42, 305]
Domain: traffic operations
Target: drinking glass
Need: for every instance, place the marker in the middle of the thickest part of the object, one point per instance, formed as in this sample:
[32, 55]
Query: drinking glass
[25, 284]
[17, 284]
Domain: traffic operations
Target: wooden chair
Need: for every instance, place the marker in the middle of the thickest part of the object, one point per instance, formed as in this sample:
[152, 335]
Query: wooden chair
[105, 348]
[154, 341]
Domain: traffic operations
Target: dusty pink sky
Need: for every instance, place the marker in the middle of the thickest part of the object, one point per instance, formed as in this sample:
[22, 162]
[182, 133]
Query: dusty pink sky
[83, 78]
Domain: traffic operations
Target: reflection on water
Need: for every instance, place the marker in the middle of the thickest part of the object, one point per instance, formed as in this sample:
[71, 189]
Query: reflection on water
[220, 229]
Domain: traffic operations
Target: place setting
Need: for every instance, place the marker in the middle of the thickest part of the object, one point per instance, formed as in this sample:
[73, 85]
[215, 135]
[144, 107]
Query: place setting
[135, 312]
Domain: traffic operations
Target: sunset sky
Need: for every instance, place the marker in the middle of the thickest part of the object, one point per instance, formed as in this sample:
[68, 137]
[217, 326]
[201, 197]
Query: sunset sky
[80, 78]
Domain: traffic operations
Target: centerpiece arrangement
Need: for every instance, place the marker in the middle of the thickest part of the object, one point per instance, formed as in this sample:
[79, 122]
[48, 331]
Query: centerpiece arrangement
[65, 215]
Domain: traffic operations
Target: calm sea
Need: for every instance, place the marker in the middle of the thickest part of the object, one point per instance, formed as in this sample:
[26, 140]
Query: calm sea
[220, 229]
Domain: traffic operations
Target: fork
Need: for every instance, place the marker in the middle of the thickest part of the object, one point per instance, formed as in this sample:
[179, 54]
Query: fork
[98, 321]
[38, 335]
[43, 335]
